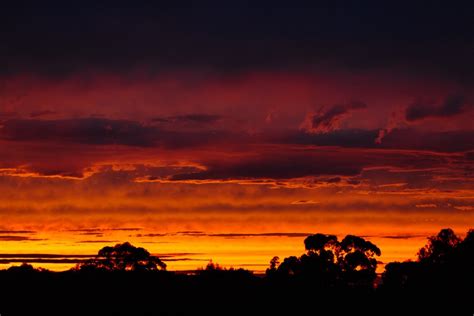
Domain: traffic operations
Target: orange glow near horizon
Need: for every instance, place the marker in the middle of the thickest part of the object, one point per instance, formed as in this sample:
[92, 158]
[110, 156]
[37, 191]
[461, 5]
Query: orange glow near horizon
[246, 163]
[235, 225]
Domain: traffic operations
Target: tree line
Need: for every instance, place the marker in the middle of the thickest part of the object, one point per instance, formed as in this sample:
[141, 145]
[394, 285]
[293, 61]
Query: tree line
[329, 270]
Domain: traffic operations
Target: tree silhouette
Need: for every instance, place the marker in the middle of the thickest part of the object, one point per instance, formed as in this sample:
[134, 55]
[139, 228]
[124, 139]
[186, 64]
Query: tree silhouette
[330, 263]
[357, 260]
[290, 266]
[211, 266]
[124, 257]
[444, 264]
[439, 247]
[320, 242]
[274, 263]
[466, 249]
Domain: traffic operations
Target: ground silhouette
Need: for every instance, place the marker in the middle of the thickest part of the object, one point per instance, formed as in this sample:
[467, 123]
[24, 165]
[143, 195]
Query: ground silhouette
[128, 280]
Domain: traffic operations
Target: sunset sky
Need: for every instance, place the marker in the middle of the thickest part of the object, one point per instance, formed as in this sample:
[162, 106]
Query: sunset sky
[231, 133]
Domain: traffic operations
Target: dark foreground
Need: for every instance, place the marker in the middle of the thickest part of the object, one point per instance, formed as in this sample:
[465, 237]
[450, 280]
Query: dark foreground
[164, 293]
[331, 277]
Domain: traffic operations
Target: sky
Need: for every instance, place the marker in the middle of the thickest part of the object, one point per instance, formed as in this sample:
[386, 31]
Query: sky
[232, 132]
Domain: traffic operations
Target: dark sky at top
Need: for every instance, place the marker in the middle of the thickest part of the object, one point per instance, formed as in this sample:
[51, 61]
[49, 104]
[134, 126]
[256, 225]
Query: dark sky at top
[55, 39]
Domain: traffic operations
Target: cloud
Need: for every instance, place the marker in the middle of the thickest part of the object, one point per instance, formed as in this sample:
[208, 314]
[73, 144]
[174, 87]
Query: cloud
[430, 205]
[189, 119]
[393, 122]
[465, 207]
[324, 165]
[190, 232]
[276, 166]
[330, 119]
[93, 241]
[41, 260]
[42, 113]
[275, 234]
[126, 229]
[443, 141]
[7, 115]
[401, 236]
[152, 235]
[18, 238]
[264, 159]
[193, 233]
[7, 258]
[298, 202]
[75, 259]
[94, 131]
[394, 138]
[43, 255]
[99, 230]
[17, 232]
[91, 234]
[451, 106]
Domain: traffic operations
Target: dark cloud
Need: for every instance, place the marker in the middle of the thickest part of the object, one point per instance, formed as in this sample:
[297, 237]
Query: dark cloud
[7, 115]
[95, 131]
[93, 241]
[353, 182]
[190, 232]
[283, 163]
[91, 234]
[102, 131]
[7, 258]
[277, 166]
[342, 137]
[451, 106]
[99, 230]
[151, 235]
[305, 202]
[399, 138]
[32, 146]
[126, 228]
[334, 180]
[329, 119]
[189, 119]
[75, 259]
[177, 254]
[86, 230]
[401, 236]
[176, 139]
[36, 114]
[78, 256]
[42, 255]
[18, 238]
[225, 235]
[449, 141]
[180, 233]
[243, 235]
[185, 259]
[10, 232]
[40, 260]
